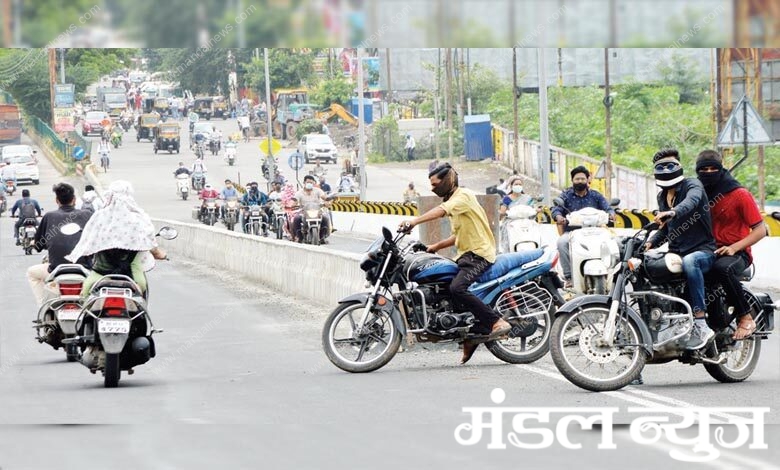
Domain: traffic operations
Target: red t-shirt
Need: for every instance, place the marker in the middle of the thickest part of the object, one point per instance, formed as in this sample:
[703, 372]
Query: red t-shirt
[732, 217]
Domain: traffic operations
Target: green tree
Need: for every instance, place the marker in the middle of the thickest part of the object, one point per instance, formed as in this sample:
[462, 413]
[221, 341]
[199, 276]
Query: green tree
[336, 90]
[681, 72]
[44, 20]
[287, 68]
[198, 70]
[30, 88]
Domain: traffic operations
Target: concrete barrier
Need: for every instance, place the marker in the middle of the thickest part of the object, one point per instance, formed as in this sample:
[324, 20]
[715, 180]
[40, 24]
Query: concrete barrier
[317, 274]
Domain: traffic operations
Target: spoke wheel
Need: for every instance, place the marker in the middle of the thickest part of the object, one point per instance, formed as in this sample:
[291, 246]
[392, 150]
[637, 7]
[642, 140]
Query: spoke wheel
[366, 351]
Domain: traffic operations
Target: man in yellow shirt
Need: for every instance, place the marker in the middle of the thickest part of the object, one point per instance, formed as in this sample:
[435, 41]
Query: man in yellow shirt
[476, 251]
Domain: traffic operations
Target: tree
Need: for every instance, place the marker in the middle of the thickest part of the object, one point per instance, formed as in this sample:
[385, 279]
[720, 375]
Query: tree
[198, 70]
[44, 20]
[30, 88]
[681, 72]
[287, 68]
[336, 90]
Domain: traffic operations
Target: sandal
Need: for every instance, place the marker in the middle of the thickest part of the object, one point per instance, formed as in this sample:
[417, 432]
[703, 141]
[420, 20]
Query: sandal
[747, 331]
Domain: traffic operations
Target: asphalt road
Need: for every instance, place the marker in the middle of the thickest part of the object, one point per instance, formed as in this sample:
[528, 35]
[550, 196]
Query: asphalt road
[247, 365]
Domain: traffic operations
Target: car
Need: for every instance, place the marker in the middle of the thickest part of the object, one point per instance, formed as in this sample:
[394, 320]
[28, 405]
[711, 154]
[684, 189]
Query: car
[315, 147]
[203, 128]
[23, 159]
[91, 123]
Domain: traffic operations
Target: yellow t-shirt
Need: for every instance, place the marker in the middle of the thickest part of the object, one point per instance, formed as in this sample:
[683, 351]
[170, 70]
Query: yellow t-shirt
[470, 225]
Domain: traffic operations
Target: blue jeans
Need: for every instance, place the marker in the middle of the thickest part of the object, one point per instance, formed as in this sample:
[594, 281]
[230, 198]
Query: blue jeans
[695, 266]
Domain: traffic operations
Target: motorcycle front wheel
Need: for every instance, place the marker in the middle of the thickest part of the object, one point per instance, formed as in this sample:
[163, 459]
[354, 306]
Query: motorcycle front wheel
[580, 355]
[364, 351]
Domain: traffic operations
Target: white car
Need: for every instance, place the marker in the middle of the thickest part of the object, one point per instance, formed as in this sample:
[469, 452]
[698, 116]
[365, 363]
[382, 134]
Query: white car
[203, 128]
[315, 147]
[22, 158]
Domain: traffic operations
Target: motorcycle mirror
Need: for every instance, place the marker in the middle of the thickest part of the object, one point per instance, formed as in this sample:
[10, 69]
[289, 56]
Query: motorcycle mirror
[387, 234]
[168, 233]
[614, 202]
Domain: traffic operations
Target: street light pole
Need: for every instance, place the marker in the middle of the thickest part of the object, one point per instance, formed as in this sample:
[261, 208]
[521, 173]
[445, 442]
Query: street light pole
[544, 135]
[271, 161]
[361, 126]
[62, 66]
[608, 143]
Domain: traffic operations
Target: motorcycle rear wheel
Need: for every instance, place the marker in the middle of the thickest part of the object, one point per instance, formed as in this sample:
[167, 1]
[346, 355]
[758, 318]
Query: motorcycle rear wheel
[577, 353]
[741, 363]
[112, 372]
[523, 332]
[382, 334]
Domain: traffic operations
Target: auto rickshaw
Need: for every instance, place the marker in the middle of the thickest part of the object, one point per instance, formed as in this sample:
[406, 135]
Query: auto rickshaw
[220, 107]
[167, 137]
[162, 106]
[146, 125]
[203, 107]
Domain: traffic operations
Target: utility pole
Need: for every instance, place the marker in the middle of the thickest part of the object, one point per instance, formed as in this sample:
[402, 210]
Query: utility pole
[52, 80]
[612, 24]
[608, 146]
[543, 130]
[515, 98]
[511, 19]
[461, 76]
[361, 126]
[241, 26]
[62, 66]
[389, 83]
[760, 109]
[468, 79]
[448, 99]
[436, 114]
[5, 8]
[269, 131]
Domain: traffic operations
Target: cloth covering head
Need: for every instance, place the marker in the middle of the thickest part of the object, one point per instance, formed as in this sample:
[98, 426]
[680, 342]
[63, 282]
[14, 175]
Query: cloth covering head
[120, 224]
[667, 169]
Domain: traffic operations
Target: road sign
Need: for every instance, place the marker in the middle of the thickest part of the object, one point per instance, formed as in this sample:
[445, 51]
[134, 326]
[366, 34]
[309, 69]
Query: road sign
[296, 161]
[78, 153]
[64, 95]
[744, 116]
[276, 146]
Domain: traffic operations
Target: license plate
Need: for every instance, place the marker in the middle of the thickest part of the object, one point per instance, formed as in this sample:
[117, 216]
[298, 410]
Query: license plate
[113, 326]
[67, 314]
[30, 231]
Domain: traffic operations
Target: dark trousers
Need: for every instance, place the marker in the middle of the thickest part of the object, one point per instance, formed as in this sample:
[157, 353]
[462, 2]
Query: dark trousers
[409, 154]
[472, 266]
[726, 271]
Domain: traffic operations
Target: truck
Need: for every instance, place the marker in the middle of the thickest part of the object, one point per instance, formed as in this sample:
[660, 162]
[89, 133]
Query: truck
[111, 100]
[10, 124]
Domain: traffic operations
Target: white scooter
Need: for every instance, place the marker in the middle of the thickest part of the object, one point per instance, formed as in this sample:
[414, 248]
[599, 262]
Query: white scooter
[183, 186]
[230, 153]
[521, 229]
[593, 250]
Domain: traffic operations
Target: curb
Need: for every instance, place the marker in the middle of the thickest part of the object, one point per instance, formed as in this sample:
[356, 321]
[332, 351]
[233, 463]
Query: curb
[58, 164]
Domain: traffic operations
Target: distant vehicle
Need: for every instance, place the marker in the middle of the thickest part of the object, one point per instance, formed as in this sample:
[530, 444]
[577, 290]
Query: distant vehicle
[203, 128]
[92, 123]
[317, 147]
[22, 158]
[10, 124]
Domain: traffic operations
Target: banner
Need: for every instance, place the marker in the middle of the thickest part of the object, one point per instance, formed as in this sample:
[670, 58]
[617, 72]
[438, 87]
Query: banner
[64, 95]
[64, 119]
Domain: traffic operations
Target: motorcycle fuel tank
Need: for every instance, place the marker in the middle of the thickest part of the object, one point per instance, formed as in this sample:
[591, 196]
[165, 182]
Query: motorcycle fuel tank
[425, 268]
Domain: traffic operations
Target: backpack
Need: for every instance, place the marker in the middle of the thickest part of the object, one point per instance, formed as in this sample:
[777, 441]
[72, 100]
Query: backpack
[27, 210]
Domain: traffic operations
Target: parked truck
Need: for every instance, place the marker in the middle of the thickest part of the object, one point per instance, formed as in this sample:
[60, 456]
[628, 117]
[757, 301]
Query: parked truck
[111, 100]
[10, 124]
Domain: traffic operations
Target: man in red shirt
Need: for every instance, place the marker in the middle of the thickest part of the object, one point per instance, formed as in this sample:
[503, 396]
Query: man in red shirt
[737, 225]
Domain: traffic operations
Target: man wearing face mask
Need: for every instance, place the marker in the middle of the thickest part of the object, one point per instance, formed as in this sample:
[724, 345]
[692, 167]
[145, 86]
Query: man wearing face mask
[579, 196]
[737, 225]
[684, 215]
[476, 251]
[311, 196]
[227, 193]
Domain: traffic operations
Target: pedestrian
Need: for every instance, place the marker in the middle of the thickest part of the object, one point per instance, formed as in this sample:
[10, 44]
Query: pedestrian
[410, 144]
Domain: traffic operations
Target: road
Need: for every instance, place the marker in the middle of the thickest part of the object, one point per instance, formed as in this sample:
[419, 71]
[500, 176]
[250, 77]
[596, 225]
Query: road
[248, 363]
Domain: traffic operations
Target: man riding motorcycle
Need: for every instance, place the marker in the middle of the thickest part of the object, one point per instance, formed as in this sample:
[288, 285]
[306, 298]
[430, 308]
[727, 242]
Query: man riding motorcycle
[253, 197]
[227, 192]
[27, 210]
[198, 166]
[207, 193]
[311, 196]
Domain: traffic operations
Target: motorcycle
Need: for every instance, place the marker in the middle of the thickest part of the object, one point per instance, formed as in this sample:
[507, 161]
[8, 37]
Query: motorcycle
[230, 153]
[61, 308]
[214, 146]
[279, 218]
[27, 234]
[198, 180]
[3, 201]
[254, 220]
[602, 342]
[211, 213]
[200, 150]
[589, 246]
[231, 213]
[521, 229]
[183, 186]
[126, 123]
[114, 327]
[312, 223]
[364, 332]
[116, 138]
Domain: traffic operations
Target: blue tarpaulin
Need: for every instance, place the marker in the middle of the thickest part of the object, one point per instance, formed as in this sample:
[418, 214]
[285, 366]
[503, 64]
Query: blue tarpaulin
[477, 137]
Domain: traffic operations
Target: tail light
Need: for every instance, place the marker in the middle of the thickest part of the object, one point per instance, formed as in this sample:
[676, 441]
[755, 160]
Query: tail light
[114, 306]
[70, 289]
[554, 261]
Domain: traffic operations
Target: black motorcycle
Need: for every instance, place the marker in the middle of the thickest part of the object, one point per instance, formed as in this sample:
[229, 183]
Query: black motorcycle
[602, 342]
[364, 332]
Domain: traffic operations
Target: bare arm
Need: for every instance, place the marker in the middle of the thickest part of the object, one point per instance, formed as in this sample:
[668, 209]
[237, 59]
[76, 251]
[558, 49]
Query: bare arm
[756, 233]
[447, 242]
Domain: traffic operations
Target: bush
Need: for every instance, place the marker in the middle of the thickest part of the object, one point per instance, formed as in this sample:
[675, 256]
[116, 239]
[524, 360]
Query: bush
[308, 126]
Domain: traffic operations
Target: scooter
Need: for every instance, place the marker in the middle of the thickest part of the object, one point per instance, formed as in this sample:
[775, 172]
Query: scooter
[594, 253]
[198, 180]
[230, 153]
[183, 186]
[521, 229]
[10, 187]
[61, 308]
[116, 138]
[27, 233]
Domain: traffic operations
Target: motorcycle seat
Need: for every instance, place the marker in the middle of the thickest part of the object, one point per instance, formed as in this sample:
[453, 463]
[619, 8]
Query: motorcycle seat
[29, 221]
[67, 269]
[508, 261]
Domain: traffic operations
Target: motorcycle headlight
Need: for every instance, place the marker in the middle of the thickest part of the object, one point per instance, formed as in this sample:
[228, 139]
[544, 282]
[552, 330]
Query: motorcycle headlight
[312, 214]
[609, 253]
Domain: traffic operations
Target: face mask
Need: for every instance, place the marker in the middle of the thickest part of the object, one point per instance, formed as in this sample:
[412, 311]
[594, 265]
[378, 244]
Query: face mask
[708, 179]
[308, 186]
[579, 187]
[517, 189]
